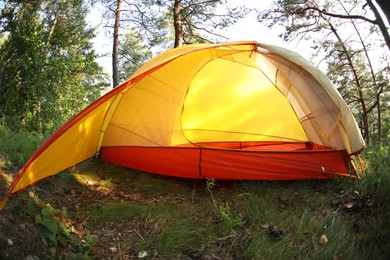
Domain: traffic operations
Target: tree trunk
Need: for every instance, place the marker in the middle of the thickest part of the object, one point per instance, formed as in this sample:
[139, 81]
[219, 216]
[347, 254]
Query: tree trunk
[385, 6]
[178, 24]
[51, 31]
[115, 46]
[379, 122]
[381, 23]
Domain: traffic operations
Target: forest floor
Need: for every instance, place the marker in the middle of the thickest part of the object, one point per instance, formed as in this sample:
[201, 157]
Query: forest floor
[100, 211]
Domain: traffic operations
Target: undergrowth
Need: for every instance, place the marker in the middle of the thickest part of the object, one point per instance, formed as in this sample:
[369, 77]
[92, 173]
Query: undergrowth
[17, 147]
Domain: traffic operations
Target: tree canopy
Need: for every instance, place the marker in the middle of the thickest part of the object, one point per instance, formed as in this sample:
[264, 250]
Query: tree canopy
[48, 70]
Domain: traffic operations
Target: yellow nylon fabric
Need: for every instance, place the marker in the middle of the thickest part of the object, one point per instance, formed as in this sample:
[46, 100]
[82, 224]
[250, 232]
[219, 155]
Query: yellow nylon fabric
[208, 84]
[77, 144]
[243, 107]
[148, 109]
[228, 93]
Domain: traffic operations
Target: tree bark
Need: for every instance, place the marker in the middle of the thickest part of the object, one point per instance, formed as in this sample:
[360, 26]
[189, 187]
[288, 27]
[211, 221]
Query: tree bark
[385, 6]
[380, 22]
[115, 46]
[178, 24]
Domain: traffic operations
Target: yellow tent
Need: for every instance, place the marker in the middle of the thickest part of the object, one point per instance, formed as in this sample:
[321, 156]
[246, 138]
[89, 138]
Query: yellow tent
[239, 110]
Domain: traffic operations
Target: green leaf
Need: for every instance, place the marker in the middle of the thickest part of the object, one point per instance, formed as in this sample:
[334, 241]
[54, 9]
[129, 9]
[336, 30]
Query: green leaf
[38, 219]
[63, 230]
[48, 211]
[51, 224]
[53, 251]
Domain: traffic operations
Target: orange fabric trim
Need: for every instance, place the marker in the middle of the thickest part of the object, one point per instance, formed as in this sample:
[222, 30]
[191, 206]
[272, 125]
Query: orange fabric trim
[230, 164]
[266, 146]
[179, 162]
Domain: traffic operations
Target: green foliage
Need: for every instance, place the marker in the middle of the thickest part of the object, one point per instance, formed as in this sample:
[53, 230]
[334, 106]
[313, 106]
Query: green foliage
[375, 185]
[53, 233]
[374, 191]
[378, 160]
[133, 54]
[48, 66]
[17, 147]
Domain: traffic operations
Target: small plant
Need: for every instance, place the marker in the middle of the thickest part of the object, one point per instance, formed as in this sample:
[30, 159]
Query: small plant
[224, 210]
[210, 185]
[54, 233]
[232, 221]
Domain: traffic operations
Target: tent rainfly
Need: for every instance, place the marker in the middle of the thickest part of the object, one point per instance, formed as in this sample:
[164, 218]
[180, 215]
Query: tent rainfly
[234, 111]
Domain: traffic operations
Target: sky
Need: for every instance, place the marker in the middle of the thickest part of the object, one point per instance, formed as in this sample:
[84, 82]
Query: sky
[250, 29]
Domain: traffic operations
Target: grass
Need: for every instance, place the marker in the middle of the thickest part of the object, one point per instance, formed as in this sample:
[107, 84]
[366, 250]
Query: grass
[119, 213]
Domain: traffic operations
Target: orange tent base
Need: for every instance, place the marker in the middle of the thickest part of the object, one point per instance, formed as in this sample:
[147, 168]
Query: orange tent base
[231, 164]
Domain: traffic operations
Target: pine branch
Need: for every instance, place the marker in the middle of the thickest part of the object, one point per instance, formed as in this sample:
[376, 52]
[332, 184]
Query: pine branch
[341, 16]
